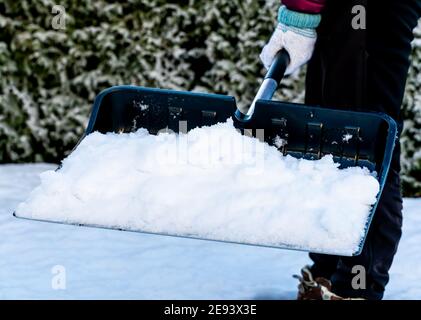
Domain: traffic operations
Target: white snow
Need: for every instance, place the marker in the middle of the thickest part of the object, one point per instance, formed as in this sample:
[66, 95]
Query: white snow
[140, 105]
[211, 183]
[279, 142]
[347, 137]
[106, 264]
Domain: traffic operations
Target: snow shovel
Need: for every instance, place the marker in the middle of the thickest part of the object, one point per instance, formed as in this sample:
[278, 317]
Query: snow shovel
[364, 139]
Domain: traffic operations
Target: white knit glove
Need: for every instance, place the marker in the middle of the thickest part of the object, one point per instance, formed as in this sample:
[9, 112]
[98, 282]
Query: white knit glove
[298, 42]
[296, 33]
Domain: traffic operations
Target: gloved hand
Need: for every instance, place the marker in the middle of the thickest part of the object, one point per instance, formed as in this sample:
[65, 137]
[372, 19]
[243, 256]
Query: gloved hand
[296, 33]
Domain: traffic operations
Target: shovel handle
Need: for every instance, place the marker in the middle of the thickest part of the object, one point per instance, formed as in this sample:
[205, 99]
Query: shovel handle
[269, 85]
[279, 66]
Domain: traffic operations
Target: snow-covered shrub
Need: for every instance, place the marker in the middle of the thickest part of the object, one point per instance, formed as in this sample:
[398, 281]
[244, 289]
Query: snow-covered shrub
[411, 138]
[49, 78]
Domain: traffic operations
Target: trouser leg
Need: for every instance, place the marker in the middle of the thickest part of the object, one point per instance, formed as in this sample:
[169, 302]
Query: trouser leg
[356, 69]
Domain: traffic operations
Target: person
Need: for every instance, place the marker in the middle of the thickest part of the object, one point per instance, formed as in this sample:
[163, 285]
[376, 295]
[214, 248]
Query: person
[358, 58]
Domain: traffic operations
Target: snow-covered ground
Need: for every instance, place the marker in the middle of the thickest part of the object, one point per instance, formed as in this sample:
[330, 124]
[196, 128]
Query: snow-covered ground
[107, 264]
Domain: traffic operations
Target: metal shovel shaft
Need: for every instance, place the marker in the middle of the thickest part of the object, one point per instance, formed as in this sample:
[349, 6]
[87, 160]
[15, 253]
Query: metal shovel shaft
[269, 85]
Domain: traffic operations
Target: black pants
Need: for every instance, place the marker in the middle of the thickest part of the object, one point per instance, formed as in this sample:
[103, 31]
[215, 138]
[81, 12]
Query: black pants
[365, 69]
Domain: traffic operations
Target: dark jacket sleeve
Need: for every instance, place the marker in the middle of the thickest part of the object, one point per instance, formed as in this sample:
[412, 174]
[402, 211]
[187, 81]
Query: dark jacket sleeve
[307, 6]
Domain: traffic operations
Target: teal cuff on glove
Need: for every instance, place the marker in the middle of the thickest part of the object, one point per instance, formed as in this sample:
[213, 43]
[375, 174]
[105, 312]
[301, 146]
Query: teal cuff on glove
[298, 19]
[306, 32]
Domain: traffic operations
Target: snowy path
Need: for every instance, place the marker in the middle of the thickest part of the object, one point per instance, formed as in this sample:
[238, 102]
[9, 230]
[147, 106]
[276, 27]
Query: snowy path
[121, 265]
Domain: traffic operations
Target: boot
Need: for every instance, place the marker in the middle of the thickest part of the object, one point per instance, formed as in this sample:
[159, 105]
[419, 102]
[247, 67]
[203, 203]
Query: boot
[318, 288]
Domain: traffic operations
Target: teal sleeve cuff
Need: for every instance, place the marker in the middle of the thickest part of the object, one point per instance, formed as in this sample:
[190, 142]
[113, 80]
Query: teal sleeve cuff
[298, 19]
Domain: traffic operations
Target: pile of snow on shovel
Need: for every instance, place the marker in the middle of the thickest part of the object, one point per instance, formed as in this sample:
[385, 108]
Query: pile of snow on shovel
[211, 183]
